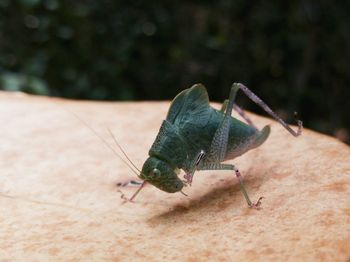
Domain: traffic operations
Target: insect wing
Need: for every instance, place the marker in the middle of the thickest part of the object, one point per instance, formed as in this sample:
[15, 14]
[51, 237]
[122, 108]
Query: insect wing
[190, 107]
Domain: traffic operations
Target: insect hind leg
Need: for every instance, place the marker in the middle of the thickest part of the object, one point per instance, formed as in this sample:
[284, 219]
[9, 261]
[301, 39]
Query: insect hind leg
[267, 109]
[224, 106]
[240, 111]
[218, 145]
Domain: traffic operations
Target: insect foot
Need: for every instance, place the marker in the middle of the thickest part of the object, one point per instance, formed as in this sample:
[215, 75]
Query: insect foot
[122, 196]
[256, 205]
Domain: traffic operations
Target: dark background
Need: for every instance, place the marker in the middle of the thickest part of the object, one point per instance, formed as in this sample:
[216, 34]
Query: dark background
[293, 54]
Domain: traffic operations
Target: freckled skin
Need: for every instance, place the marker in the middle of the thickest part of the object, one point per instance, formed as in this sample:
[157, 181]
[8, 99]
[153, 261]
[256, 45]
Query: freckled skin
[189, 127]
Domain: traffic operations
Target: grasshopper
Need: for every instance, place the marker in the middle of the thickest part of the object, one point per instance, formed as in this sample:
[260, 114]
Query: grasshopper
[195, 136]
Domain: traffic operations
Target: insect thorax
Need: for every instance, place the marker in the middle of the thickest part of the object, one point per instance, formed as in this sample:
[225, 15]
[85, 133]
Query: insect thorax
[169, 146]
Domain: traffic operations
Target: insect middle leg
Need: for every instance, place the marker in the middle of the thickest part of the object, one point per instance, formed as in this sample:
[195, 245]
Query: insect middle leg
[217, 166]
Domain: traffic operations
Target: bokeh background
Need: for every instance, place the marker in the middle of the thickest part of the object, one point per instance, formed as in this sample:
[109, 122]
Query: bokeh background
[293, 54]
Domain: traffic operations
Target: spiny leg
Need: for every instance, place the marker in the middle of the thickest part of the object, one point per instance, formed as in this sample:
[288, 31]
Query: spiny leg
[268, 110]
[194, 166]
[218, 166]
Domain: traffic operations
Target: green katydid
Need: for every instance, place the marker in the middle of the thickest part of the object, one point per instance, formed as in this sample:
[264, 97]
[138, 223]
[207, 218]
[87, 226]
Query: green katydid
[194, 136]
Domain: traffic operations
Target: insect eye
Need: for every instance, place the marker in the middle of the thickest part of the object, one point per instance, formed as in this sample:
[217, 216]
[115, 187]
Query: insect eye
[154, 173]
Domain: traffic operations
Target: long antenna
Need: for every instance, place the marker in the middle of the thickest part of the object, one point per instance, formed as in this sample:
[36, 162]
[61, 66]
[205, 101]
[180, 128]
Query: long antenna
[121, 149]
[102, 139]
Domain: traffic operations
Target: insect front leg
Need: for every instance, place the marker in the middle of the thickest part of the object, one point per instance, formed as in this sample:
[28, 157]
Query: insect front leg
[130, 183]
[193, 167]
[218, 166]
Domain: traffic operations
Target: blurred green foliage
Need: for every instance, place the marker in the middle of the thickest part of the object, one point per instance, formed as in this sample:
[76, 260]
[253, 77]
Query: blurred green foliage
[293, 54]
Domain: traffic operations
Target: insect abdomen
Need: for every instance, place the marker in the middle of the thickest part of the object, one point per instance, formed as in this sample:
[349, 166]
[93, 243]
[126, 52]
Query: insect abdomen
[243, 138]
